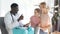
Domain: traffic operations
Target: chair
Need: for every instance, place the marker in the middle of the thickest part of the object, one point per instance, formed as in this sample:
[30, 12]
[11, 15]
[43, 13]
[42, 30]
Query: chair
[2, 26]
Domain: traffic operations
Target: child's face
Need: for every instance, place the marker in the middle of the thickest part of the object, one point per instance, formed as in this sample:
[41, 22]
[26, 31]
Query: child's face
[42, 6]
[36, 13]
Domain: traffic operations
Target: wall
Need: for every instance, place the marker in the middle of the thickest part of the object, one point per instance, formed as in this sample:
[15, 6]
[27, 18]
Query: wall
[26, 7]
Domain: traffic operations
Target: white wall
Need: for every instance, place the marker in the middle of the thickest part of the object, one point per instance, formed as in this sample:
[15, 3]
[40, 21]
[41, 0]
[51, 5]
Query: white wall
[0, 31]
[0, 7]
[25, 6]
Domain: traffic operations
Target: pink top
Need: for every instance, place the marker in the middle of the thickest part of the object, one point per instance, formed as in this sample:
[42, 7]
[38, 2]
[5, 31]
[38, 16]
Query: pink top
[34, 21]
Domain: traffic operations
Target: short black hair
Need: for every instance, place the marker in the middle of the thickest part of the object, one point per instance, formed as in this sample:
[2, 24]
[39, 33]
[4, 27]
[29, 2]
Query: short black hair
[14, 5]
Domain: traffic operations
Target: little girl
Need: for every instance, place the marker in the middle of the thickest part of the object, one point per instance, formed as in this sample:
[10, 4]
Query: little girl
[45, 19]
[35, 20]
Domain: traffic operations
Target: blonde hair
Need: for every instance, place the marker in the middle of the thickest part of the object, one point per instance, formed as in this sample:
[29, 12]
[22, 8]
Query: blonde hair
[43, 3]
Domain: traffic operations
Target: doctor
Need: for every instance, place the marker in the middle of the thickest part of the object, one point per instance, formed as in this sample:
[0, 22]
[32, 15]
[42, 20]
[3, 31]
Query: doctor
[12, 18]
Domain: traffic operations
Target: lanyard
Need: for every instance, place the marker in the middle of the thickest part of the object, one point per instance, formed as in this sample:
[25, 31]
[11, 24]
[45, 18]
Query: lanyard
[12, 18]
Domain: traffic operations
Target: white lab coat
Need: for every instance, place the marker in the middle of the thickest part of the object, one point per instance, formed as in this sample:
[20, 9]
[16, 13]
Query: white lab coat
[9, 22]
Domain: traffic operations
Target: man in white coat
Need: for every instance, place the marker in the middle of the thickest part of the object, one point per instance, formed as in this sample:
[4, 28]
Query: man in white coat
[12, 18]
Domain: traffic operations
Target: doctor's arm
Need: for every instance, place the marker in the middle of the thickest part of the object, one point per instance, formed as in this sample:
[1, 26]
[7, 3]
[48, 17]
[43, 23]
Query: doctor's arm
[9, 24]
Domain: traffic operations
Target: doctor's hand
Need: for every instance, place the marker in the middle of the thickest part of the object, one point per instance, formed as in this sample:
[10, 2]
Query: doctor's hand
[20, 18]
[26, 25]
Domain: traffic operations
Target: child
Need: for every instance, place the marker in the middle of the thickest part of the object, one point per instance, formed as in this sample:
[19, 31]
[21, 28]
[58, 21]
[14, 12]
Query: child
[45, 20]
[35, 20]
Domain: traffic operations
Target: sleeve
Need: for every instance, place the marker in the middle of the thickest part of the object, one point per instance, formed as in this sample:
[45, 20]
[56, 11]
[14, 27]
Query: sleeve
[20, 23]
[31, 21]
[9, 24]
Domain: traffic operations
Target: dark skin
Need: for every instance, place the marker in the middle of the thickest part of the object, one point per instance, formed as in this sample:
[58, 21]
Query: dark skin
[14, 11]
[20, 18]
[26, 25]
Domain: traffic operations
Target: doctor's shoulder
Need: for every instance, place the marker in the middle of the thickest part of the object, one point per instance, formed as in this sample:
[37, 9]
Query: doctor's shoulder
[7, 15]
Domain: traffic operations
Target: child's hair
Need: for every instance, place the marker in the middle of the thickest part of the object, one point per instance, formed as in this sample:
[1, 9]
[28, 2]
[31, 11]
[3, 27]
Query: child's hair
[37, 9]
[42, 3]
